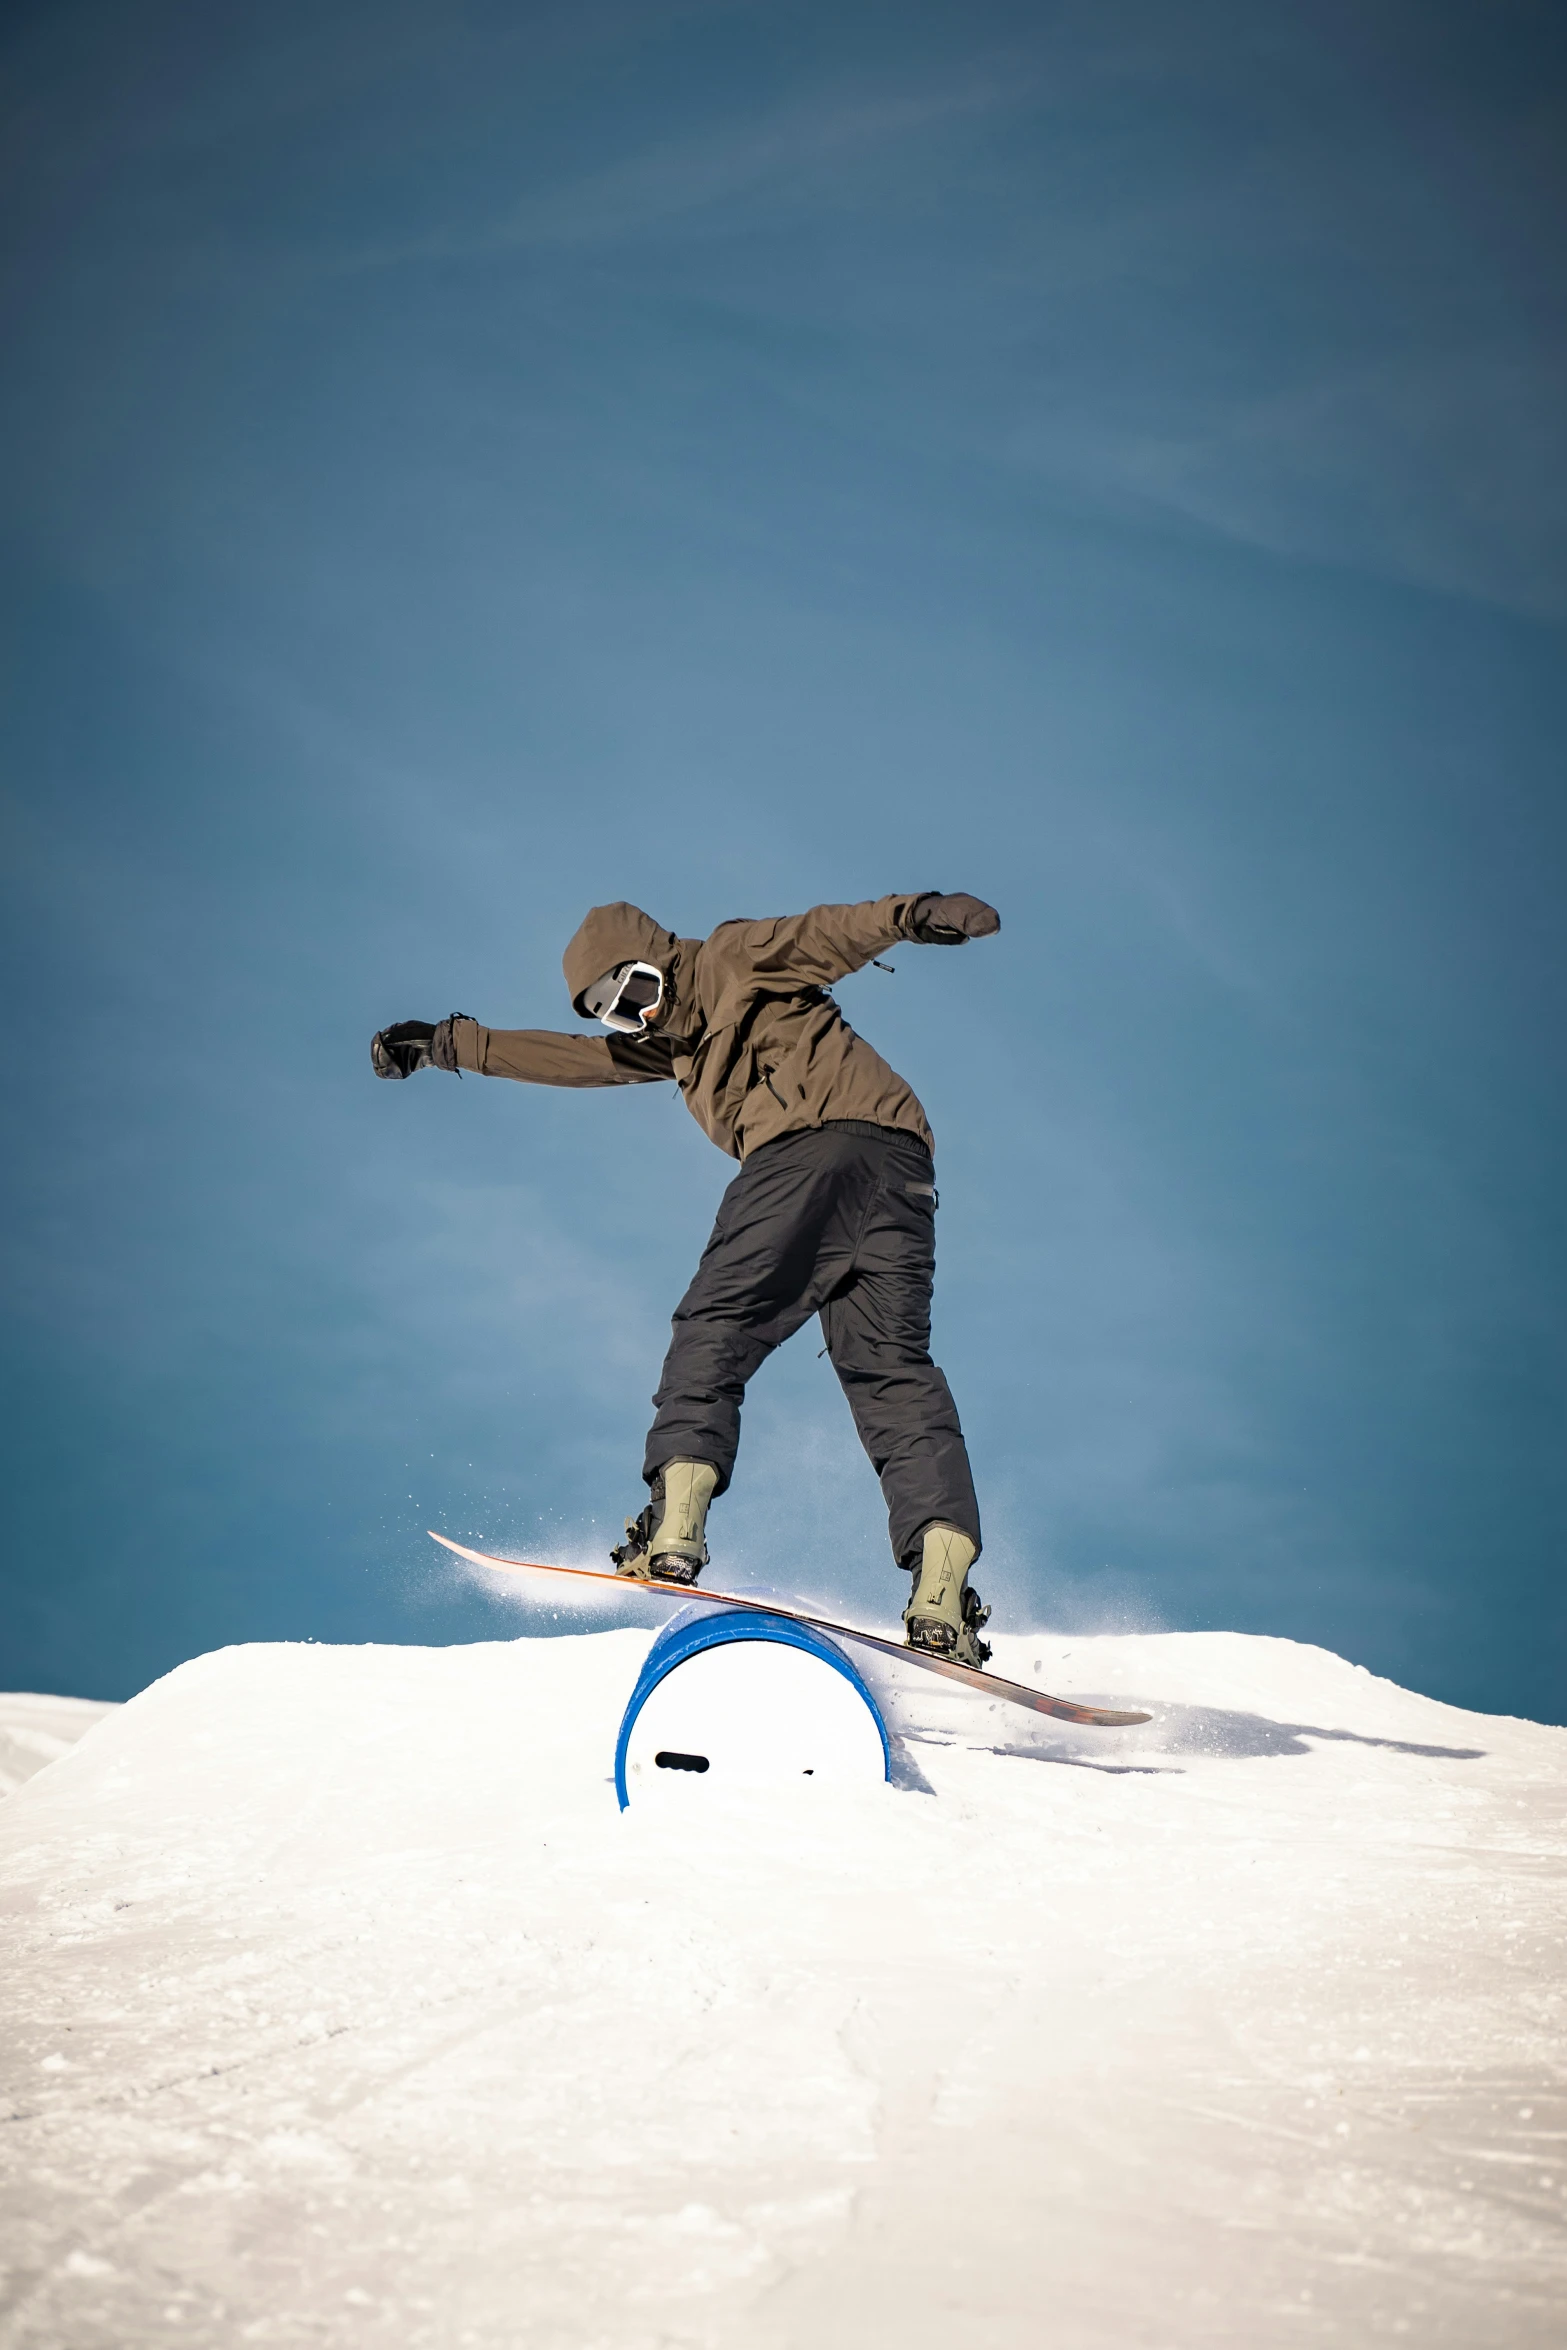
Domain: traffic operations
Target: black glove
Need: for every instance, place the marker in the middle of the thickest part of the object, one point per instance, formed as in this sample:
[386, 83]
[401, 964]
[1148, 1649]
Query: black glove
[951, 922]
[414, 1044]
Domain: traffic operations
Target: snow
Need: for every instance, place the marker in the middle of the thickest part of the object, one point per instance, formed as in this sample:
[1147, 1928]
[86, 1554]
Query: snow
[36, 1730]
[344, 2006]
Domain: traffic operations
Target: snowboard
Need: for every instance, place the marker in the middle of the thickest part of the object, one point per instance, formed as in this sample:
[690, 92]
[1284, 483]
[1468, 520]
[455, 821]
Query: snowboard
[988, 1684]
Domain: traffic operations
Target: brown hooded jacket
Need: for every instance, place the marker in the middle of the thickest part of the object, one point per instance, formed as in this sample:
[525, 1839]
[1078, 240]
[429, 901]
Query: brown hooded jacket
[748, 1030]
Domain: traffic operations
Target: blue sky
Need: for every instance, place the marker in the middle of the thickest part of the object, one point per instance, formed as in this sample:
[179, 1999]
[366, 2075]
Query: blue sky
[461, 465]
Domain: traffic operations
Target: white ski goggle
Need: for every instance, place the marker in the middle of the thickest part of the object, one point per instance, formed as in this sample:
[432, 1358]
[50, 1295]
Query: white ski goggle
[626, 998]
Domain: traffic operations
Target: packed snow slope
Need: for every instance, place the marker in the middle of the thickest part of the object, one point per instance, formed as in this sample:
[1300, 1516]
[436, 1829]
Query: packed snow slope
[38, 1730]
[344, 2006]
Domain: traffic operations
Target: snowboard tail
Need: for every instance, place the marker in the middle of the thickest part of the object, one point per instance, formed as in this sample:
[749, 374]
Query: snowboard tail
[988, 1684]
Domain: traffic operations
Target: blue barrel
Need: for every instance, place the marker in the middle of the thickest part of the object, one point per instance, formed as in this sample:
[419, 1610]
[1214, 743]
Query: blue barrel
[697, 1630]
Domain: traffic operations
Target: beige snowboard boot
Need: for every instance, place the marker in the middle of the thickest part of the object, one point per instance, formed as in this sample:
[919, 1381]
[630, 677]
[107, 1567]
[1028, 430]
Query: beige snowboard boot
[943, 1616]
[667, 1543]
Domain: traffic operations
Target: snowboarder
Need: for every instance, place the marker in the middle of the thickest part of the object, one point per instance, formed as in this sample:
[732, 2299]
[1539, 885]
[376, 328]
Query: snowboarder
[832, 1212]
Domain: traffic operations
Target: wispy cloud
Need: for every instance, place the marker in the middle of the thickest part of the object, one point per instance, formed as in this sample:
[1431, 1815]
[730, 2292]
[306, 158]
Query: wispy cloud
[1445, 470]
[792, 156]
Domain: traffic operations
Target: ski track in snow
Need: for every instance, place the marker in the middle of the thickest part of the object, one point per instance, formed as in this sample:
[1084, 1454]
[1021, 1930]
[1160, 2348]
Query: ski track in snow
[343, 2006]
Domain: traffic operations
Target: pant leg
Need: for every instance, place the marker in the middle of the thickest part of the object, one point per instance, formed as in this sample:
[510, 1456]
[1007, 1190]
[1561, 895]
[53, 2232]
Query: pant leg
[783, 1238]
[877, 1327]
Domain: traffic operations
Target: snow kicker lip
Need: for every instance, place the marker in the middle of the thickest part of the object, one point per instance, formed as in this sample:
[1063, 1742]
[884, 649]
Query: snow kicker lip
[1037, 1701]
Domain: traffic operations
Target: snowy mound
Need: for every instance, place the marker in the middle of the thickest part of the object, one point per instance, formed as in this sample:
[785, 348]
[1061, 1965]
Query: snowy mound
[38, 1730]
[344, 2005]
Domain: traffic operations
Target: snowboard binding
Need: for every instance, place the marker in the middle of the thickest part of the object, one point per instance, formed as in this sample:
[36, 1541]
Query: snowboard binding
[958, 1644]
[635, 1557]
[668, 1542]
[944, 1617]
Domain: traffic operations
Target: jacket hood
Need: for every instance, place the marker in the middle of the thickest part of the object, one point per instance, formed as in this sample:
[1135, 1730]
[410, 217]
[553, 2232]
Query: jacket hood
[620, 933]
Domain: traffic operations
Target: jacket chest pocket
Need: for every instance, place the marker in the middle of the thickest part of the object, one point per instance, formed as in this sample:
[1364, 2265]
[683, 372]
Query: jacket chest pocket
[771, 1074]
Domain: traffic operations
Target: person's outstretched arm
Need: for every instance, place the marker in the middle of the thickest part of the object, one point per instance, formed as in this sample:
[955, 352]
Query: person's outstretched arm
[831, 941]
[535, 1056]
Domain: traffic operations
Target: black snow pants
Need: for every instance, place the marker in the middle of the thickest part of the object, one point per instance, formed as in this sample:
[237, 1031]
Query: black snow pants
[838, 1220]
